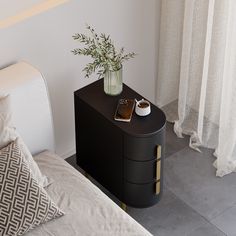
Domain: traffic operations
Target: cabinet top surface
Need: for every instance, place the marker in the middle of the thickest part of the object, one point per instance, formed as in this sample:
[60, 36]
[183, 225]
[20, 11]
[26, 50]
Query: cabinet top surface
[94, 96]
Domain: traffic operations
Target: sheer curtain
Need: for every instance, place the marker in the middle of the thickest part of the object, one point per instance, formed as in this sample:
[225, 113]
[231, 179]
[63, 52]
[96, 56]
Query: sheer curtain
[197, 74]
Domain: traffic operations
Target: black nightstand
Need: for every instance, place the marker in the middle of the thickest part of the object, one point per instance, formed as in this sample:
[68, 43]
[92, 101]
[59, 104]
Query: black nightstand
[126, 158]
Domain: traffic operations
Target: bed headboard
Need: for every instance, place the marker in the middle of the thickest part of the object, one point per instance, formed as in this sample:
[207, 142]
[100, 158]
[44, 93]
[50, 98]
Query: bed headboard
[30, 105]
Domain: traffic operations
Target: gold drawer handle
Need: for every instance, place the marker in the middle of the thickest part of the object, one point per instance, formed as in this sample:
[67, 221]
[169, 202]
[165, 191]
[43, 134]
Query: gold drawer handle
[158, 164]
[158, 151]
[158, 170]
[158, 187]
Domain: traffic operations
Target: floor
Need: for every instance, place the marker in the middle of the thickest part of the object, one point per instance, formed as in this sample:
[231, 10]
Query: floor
[194, 202]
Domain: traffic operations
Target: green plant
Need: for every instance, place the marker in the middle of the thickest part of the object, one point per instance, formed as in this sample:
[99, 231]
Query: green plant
[103, 52]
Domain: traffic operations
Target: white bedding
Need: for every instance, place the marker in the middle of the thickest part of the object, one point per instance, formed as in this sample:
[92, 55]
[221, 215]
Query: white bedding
[88, 210]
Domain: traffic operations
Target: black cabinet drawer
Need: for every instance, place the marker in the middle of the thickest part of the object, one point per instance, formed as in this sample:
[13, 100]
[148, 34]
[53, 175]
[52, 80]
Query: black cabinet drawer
[142, 195]
[143, 149]
[140, 172]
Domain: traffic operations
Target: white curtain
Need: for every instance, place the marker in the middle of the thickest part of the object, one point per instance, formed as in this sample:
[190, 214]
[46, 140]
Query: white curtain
[197, 74]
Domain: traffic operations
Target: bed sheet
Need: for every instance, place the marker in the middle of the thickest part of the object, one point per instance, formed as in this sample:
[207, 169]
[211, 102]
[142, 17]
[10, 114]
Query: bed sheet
[88, 211]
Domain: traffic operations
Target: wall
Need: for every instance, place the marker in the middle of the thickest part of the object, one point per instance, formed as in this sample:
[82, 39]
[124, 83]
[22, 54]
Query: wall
[45, 41]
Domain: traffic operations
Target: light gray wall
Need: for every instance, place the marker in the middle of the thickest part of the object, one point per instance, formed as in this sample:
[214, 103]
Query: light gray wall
[45, 41]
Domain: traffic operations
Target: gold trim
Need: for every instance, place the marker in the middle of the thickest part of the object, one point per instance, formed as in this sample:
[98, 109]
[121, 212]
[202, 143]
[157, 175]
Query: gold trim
[158, 151]
[123, 206]
[158, 164]
[86, 175]
[158, 170]
[158, 187]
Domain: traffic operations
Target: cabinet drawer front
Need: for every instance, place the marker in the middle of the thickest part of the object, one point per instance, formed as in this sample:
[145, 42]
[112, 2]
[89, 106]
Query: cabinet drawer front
[140, 172]
[143, 149]
[141, 195]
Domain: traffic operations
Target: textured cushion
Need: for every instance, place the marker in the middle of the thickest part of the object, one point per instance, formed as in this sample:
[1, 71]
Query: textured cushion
[24, 204]
[9, 134]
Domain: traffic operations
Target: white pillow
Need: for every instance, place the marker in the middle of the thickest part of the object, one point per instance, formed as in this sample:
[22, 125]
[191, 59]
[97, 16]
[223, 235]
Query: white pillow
[8, 134]
[7, 130]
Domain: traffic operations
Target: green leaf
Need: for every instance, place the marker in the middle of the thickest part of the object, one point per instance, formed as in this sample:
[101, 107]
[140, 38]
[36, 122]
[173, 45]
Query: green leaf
[102, 50]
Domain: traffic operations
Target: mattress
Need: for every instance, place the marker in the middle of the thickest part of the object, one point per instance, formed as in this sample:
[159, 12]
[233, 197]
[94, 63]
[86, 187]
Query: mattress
[88, 211]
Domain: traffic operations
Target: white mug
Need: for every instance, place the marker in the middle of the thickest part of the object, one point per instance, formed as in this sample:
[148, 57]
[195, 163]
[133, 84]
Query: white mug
[142, 107]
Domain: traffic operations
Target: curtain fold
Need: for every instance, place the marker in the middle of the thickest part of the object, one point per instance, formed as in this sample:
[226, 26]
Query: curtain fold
[197, 73]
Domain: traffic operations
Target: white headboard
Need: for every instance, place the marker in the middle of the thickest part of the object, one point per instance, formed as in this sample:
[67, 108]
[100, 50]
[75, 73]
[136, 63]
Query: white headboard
[30, 105]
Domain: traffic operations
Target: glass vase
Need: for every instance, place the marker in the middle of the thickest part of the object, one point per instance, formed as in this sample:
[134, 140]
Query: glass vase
[113, 83]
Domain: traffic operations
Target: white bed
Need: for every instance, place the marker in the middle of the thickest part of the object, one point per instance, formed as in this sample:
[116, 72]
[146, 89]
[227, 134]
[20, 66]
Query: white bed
[88, 211]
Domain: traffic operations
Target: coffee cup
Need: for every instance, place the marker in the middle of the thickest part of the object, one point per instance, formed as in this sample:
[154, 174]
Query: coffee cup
[142, 107]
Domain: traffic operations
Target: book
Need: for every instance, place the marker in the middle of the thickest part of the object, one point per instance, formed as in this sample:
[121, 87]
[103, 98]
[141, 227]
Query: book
[124, 110]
